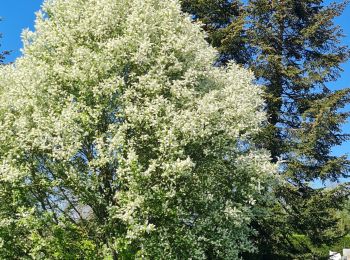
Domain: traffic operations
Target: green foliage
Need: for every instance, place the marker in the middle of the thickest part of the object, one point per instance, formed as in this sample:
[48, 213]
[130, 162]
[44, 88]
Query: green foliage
[344, 216]
[294, 50]
[306, 249]
[121, 140]
[303, 248]
[225, 23]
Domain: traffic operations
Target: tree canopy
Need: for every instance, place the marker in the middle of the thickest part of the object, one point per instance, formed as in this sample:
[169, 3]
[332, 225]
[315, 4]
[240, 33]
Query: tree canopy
[121, 140]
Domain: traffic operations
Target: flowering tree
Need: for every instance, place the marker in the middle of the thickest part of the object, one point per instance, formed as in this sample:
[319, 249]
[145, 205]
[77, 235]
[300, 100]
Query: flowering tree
[120, 139]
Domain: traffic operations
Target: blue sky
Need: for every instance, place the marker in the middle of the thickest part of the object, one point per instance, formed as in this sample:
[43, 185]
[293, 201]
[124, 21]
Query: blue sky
[16, 15]
[19, 14]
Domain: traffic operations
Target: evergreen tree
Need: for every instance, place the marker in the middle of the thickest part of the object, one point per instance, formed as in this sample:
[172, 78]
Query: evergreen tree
[224, 21]
[121, 140]
[295, 51]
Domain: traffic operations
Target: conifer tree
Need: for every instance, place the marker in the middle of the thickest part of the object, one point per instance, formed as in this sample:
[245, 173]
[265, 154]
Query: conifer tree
[121, 140]
[298, 52]
[295, 51]
[224, 21]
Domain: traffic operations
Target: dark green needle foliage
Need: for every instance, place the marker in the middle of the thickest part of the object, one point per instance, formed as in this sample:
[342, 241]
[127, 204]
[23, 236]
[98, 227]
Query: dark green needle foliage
[224, 21]
[294, 48]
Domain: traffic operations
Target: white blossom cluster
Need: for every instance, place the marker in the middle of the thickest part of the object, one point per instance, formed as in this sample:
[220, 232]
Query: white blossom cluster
[116, 107]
